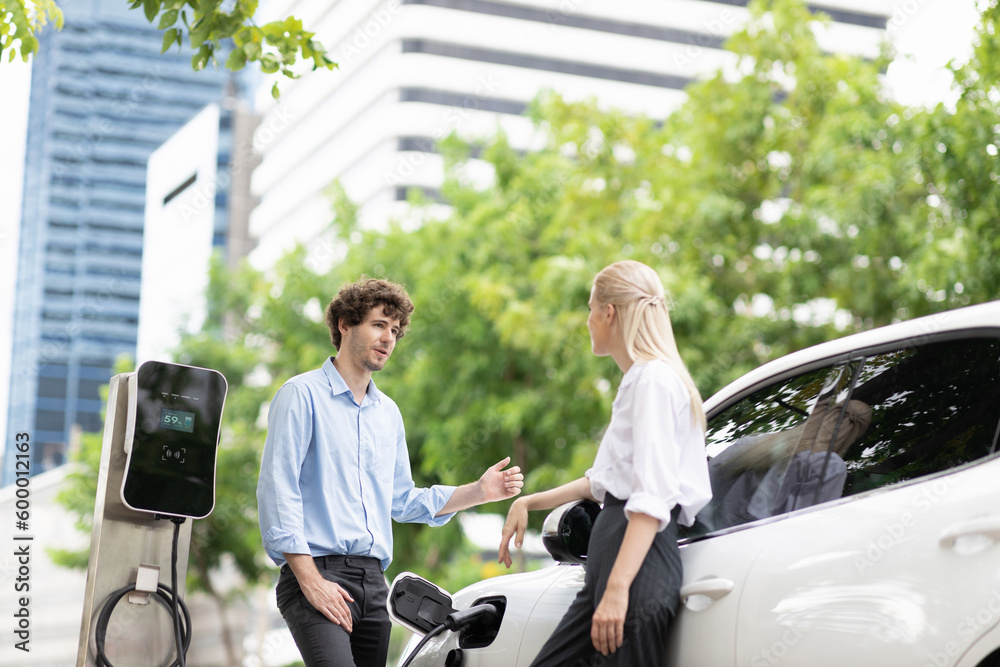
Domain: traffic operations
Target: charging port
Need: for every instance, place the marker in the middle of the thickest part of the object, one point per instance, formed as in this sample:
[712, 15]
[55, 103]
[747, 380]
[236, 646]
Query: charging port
[483, 631]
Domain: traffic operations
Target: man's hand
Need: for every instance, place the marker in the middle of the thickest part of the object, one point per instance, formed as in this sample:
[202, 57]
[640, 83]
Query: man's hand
[499, 484]
[514, 526]
[495, 484]
[330, 599]
[327, 597]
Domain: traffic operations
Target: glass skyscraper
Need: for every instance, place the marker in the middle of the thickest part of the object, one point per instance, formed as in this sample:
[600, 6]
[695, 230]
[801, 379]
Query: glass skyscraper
[102, 99]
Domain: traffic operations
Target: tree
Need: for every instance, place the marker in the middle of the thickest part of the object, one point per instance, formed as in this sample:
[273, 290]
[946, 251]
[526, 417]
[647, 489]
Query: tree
[960, 165]
[208, 24]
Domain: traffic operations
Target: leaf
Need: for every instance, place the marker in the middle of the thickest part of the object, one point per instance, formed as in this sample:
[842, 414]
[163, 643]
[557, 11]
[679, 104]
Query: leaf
[199, 32]
[237, 60]
[167, 19]
[200, 59]
[275, 93]
[252, 49]
[274, 30]
[228, 25]
[208, 7]
[150, 8]
[169, 37]
[269, 64]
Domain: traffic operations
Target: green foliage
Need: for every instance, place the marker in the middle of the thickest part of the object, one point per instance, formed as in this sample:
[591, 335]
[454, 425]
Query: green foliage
[78, 495]
[960, 166]
[18, 26]
[275, 46]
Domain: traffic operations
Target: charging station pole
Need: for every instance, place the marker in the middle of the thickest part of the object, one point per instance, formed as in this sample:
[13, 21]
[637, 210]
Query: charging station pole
[158, 465]
[123, 542]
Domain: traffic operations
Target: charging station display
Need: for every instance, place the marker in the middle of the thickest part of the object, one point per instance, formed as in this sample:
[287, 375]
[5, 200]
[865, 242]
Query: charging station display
[174, 422]
[177, 420]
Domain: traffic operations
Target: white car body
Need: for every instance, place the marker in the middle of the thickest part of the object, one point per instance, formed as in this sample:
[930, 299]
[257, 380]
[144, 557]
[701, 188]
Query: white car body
[897, 572]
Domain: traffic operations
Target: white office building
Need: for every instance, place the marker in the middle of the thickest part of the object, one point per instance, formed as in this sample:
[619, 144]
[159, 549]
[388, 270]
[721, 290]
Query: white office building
[413, 71]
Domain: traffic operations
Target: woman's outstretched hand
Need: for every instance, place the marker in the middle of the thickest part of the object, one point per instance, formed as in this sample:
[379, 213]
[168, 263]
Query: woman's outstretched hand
[514, 526]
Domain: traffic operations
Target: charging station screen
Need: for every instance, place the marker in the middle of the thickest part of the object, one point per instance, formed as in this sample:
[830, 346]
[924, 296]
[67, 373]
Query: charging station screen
[177, 420]
[178, 414]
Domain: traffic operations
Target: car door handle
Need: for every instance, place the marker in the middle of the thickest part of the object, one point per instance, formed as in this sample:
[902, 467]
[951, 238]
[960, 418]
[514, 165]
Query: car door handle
[712, 588]
[983, 526]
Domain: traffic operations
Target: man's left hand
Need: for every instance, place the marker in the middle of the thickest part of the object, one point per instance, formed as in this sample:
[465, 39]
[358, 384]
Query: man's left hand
[499, 484]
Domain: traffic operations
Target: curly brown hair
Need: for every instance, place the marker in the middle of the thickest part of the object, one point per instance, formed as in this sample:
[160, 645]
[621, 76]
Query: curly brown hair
[353, 303]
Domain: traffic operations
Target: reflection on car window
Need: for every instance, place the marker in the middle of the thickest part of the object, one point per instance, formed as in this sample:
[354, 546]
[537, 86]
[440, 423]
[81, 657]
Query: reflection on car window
[837, 431]
[751, 444]
[934, 407]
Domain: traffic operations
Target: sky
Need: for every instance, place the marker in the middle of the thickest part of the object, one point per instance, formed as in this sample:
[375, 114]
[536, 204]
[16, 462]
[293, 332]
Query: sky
[15, 78]
[927, 34]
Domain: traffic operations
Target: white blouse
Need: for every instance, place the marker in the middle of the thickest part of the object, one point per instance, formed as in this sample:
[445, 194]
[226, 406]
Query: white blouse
[653, 454]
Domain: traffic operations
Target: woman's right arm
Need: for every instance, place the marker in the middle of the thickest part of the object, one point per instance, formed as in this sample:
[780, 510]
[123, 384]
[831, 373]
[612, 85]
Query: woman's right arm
[517, 516]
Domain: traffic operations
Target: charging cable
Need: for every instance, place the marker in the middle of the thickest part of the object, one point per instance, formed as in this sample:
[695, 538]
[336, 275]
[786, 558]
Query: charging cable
[456, 620]
[167, 595]
[178, 639]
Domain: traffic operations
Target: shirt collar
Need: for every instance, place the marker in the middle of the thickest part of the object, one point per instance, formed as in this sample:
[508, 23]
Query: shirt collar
[339, 386]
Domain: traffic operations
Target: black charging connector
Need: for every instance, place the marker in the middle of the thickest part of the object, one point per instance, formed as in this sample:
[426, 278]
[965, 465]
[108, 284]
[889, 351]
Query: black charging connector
[457, 620]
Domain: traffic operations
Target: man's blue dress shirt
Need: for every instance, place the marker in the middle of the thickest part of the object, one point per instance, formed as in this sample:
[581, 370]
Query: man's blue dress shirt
[334, 473]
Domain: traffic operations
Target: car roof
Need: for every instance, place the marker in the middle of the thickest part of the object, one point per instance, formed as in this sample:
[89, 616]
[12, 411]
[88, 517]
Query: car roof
[983, 318]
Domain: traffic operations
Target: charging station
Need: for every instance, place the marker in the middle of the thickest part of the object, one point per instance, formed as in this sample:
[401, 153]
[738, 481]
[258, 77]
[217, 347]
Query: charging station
[158, 458]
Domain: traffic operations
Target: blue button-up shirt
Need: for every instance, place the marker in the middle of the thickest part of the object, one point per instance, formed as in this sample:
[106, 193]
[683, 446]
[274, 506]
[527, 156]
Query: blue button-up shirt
[334, 473]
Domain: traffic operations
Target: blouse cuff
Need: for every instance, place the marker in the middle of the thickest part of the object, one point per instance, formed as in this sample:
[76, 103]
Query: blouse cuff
[647, 503]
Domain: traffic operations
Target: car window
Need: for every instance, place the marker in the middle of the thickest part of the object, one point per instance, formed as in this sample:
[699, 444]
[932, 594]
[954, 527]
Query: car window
[842, 430]
[750, 446]
[934, 407]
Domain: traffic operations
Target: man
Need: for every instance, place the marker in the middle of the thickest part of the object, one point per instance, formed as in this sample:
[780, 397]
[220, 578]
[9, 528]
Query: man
[335, 471]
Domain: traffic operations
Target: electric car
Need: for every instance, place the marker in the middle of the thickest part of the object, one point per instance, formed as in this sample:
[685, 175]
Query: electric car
[833, 538]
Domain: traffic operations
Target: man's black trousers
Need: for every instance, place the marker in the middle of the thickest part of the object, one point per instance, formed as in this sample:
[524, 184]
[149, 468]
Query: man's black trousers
[323, 643]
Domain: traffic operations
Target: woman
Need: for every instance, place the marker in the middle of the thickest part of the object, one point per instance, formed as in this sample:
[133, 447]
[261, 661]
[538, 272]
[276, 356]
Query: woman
[650, 472]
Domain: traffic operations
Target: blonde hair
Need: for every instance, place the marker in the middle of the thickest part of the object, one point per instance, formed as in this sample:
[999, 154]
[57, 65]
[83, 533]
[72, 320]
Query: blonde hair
[831, 426]
[636, 292]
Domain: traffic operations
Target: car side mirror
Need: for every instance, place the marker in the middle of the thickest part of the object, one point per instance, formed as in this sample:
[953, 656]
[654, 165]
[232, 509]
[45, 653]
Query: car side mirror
[566, 531]
[417, 604]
